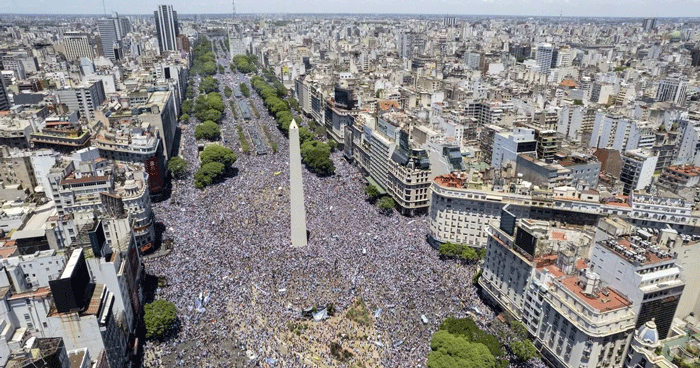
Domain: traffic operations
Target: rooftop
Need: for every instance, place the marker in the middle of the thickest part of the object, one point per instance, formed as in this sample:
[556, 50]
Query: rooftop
[598, 301]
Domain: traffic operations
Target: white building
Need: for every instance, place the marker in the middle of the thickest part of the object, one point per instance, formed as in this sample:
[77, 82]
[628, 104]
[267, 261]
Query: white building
[77, 45]
[672, 89]
[507, 146]
[638, 168]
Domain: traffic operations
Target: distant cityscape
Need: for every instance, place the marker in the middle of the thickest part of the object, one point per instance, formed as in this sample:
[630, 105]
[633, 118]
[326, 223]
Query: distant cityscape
[361, 190]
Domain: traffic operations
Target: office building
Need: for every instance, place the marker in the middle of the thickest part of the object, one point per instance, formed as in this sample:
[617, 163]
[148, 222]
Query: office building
[4, 98]
[543, 57]
[167, 27]
[77, 45]
[649, 24]
[110, 30]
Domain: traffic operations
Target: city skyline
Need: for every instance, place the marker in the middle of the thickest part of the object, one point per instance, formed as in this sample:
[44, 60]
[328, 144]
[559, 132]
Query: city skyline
[535, 8]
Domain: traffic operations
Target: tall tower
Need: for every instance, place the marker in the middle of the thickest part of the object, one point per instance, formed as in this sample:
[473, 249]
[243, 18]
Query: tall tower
[235, 36]
[296, 192]
[111, 36]
[166, 27]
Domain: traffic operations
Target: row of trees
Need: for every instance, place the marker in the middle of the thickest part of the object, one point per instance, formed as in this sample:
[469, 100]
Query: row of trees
[461, 252]
[203, 59]
[314, 153]
[244, 64]
[215, 161]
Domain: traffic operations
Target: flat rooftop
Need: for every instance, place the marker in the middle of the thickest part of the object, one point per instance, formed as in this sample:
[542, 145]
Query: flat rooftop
[597, 301]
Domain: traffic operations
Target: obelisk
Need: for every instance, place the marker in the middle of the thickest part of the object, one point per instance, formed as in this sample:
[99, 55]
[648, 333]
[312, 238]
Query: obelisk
[296, 192]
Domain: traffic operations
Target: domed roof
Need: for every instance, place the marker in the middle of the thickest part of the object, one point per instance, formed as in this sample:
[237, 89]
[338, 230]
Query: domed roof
[648, 334]
[675, 35]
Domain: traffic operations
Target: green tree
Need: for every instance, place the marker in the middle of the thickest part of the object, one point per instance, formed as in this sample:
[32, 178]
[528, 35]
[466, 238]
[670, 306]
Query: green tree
[305, 135]
[450, 351]
[524, 350]
[184, 117]
[578, 103]
[371, 192]
[294, 104]
[187, 106]
[519, 329]
[469, 254]
[386, 205]
[177, 166]
[316, 157]
[217, 153]
[215, 101]
[467, 328]
[207, 173]
[228, 91]
[209, 85]
[159, 318]
[207, 130]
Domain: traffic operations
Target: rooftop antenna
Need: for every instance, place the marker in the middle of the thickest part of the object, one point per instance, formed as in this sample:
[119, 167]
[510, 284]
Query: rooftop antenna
[104, 7]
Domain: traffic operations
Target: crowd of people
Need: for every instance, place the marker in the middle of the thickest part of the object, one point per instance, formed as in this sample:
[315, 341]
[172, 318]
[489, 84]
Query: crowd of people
[237, 281]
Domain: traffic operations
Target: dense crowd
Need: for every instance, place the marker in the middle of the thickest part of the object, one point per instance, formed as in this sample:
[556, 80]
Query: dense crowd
[237, 281]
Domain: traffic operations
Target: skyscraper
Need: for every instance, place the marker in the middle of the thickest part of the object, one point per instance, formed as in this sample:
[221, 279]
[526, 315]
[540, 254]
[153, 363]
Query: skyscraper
[111, 36]
[166, 27]
[4, 99]
[544, 57]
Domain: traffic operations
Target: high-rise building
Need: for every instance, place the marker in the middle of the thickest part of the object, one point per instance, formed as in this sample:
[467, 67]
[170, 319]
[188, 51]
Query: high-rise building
[637, 169]
[111, 36]
[695, 57]
[649, 24]
[4, 98]
[543, 57]
[166, 27]
[77, 45]
[672, 89]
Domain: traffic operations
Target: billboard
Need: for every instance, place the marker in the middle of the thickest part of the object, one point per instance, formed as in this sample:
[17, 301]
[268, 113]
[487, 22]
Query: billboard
[155, 180]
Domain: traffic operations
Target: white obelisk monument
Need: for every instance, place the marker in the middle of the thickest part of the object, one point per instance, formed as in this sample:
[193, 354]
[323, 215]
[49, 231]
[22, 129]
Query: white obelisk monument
[296, 192]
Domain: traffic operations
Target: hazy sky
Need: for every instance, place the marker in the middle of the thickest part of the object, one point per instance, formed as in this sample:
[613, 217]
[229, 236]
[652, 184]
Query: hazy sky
[612, 8]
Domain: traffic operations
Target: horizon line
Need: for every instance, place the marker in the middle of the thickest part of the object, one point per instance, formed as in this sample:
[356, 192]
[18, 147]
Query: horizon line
[395, 14]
